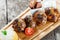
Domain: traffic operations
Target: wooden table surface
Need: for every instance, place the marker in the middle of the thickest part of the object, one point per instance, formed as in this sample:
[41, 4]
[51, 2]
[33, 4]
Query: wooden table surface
[9, 9]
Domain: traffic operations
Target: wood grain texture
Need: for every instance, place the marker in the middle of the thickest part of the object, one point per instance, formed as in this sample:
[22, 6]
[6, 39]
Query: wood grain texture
[15, 7]
[51, 28]
[2, 13]
[50, 36]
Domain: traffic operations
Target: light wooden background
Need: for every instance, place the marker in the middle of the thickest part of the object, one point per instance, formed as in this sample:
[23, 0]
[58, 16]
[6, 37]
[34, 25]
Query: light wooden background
[9, 9]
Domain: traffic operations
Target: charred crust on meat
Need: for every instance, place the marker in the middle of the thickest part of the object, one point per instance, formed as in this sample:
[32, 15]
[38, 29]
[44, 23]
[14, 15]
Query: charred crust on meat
[19, 25]
[29, 21]
[52, 14]
[39, 17]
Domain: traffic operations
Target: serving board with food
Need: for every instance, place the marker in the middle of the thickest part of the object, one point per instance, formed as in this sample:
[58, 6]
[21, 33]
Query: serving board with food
[33, 24]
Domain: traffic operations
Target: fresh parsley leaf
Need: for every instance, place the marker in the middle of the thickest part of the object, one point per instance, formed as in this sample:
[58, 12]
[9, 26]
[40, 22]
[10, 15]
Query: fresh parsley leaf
[4, 32]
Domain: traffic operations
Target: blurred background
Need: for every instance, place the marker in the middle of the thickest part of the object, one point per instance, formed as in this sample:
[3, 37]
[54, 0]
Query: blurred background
[9, 9]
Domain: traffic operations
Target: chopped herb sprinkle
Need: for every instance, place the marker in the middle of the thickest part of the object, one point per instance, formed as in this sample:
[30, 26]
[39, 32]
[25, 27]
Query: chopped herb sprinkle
[4, 32]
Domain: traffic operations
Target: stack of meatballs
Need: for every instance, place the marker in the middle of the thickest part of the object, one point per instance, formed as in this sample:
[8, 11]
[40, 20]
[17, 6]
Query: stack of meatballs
[30, 22]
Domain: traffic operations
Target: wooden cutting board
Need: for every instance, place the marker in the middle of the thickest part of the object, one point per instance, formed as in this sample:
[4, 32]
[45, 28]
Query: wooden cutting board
[38, 29]
[41, 30]
[52, 27]
[48, 30]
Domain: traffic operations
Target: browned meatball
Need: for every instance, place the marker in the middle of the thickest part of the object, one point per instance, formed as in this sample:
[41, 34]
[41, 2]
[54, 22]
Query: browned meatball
[29, 21]
[40, 17]
[52, 14]
[19, 25]
[34, 4]
[38, 5]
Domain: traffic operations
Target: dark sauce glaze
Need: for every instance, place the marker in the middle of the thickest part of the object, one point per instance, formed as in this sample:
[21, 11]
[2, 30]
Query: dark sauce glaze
[52, 15]
[19, 25]
[29, 21]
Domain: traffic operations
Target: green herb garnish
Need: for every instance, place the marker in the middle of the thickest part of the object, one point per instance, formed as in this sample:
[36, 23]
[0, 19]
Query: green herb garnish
[4, 32]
